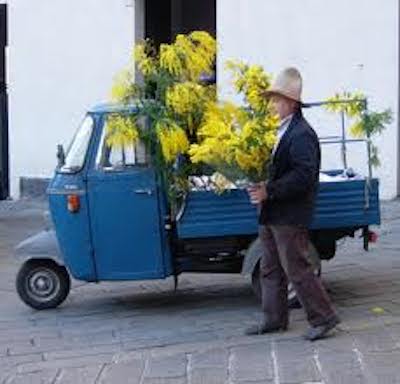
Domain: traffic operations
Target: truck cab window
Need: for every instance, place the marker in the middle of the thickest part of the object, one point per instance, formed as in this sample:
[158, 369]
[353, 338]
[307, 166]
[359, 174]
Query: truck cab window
[118, 157]
[77, 150]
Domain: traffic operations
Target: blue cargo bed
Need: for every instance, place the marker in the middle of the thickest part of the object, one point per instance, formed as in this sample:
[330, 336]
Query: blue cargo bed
[343, 204]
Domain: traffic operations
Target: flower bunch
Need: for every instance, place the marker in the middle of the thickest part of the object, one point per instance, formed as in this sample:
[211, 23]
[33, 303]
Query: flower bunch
[184, 119]
[251, 81]
[123, 86]
[188, 101]
[189, 56]
[173, 139]
[171, 94]
[238, 140]
[122, 130]
[352, 104]
[171, 97]
[365, 123]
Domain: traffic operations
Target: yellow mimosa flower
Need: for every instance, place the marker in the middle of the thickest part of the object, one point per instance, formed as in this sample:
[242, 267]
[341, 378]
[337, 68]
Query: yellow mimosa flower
[121, 130]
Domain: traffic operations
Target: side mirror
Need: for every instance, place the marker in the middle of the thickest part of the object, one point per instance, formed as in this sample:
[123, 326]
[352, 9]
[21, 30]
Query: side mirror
[60, 156]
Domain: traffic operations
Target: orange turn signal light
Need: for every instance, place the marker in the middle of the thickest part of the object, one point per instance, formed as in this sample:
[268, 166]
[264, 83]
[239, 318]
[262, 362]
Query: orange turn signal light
[73, 203]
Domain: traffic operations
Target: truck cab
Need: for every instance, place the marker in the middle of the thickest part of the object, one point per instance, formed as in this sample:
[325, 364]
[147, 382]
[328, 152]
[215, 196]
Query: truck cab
[108, 207]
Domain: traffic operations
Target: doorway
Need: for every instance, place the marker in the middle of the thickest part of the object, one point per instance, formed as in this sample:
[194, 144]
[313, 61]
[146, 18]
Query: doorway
[164, 19]
[398, 101]
[4, 166]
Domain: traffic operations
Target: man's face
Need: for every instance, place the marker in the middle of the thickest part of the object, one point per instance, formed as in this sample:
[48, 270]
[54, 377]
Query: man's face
[282, 106]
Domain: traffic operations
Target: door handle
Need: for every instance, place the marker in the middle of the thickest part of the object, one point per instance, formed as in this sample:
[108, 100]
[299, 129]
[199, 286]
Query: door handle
[147, 191]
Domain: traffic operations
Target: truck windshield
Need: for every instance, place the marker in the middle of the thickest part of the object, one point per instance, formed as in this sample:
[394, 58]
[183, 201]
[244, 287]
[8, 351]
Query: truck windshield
[76, 153]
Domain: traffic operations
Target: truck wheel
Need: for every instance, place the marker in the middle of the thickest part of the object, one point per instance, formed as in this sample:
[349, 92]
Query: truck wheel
[43, 284]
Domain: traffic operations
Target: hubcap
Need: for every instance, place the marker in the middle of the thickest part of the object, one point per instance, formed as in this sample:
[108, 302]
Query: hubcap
[42, 284]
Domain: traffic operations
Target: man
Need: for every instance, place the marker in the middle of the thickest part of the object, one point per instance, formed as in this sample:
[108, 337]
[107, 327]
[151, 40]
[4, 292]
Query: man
[287, 201]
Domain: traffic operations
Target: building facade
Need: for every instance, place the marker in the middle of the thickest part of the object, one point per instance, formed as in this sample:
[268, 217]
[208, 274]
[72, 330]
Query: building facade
[61, 58]
[62, 55]
[338, 46]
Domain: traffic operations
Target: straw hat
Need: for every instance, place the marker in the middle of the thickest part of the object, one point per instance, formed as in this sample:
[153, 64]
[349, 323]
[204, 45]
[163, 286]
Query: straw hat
[288, 84]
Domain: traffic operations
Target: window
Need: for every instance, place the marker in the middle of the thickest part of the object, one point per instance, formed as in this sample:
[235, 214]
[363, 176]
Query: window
[76, 153]
[125, 156]
[116, 158]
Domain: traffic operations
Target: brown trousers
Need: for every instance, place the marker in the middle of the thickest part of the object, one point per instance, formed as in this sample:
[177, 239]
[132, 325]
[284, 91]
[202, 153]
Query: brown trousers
[286, 258]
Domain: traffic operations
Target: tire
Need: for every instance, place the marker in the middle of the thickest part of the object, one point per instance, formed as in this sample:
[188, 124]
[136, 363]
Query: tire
[43, 284]
[293, 301]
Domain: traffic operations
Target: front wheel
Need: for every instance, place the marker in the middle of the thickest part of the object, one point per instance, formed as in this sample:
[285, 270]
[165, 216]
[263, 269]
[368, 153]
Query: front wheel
[43, 284]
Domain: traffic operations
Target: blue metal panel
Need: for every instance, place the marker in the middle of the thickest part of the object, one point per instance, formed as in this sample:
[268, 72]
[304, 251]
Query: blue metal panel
[208, 215]
[339, 205]
[126, 220]
[126, 225]
[73, 231]
[343, 204]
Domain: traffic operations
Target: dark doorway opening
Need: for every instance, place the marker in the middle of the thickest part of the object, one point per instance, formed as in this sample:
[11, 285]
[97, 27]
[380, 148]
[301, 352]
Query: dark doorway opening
[164, 19]
[4, 165]
[398, 106]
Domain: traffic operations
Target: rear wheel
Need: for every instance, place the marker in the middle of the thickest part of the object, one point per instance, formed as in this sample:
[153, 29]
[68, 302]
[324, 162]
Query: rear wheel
[43, 284]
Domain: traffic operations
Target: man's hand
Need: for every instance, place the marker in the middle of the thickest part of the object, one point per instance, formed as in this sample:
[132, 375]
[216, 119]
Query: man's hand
[258, 193]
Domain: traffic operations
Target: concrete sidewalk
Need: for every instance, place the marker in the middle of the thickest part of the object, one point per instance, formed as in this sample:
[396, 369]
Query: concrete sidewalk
[145, 333]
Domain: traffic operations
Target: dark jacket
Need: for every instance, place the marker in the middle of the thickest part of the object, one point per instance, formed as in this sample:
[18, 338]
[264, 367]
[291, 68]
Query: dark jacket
[294, 176]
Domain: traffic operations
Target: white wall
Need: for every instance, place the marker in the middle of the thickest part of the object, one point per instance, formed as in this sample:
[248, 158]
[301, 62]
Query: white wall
[62, 57]
[338, 45]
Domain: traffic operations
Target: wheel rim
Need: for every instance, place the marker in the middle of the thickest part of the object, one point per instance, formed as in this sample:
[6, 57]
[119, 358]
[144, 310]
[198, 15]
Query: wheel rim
[42, 285]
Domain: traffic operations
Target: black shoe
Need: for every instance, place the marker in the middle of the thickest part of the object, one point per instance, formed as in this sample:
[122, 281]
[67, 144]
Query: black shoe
[265, 328]
[319, 332]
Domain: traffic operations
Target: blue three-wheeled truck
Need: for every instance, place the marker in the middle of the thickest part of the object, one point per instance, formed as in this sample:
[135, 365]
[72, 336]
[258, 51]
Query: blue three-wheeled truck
[111, 220]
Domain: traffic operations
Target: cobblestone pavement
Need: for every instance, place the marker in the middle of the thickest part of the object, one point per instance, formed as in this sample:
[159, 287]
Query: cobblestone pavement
[146, 333]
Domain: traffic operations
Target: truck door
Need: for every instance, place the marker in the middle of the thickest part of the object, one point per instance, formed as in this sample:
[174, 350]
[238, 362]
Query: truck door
[126, 223]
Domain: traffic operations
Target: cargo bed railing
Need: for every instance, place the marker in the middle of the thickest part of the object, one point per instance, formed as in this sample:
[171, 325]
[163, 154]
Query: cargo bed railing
[343, 140]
